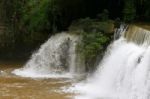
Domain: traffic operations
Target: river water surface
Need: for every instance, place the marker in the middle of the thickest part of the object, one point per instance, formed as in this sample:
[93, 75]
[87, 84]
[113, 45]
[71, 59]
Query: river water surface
[14, 87]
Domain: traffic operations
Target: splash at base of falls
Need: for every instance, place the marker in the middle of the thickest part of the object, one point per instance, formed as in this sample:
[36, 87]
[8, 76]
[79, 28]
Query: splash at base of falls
[29, 73]
[56, 58]
[123, 74]
[15, 87]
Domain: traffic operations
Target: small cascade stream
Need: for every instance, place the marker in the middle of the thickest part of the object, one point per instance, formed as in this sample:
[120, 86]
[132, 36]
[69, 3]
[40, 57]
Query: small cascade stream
[55, 58]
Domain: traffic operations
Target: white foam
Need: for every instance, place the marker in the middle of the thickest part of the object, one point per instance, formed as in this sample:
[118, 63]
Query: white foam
[28, 73]
[55, 58]
[124, 73]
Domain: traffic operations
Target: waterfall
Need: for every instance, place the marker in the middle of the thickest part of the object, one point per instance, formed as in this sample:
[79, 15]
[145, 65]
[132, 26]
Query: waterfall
[124, 72]
[138, 35]
[55, 58]
[120, 31]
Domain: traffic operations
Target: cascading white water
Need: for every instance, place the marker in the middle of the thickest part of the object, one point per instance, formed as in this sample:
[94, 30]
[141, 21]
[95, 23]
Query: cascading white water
[124, 73]
[55, 58]
[138, 35]
[120, 31]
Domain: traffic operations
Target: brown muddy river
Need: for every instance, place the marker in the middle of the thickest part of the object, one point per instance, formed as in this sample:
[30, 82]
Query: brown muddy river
[14, 87]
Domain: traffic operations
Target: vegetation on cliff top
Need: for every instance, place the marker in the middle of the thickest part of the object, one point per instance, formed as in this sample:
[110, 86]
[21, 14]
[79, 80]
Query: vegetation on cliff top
[96, 35]
[30, 22]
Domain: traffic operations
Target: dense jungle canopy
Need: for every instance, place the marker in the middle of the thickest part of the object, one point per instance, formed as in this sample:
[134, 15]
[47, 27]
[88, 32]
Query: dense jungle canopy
[30, 22]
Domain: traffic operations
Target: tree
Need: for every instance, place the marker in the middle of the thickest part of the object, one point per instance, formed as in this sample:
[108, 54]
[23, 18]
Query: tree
[104, 16]
[129, 11]
[147, 10]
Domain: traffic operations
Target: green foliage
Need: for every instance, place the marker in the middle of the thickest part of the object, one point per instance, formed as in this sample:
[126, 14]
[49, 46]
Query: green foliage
[129, 11]
[147, 12]
[81, 25]
[10, 16]
[93, 44]
[39, 15]
[95, 38]
[30, 22]
[104, 16]
[90, 25]
[92, 47]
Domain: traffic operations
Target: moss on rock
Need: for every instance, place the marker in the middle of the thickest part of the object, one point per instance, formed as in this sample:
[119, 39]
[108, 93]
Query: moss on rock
[96, 35]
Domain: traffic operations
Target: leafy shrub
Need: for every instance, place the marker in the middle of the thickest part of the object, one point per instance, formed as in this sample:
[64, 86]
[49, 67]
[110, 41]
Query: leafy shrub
[129, 11]
[91, 25]
[104, 16]
[93, 45]
[96, 35]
